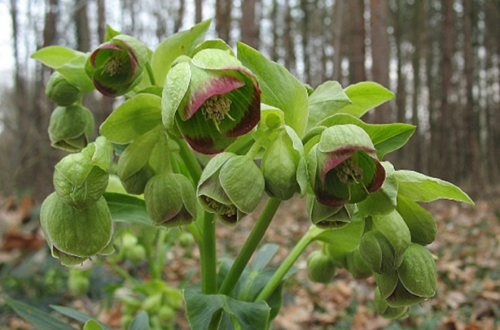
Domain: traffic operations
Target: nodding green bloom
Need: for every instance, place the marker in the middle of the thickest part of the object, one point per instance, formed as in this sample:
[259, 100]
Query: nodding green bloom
[343, 166]
[413, 282]
[76, 235]
[170, 200]
[388, 312]
[211, 99]
[71, 127]
[230, 186]
[116, 66]
[61, 91]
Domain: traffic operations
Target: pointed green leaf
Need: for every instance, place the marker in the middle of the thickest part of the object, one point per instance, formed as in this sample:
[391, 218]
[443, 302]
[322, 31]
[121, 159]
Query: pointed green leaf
[279, 87]
[127, 208]
[264, 255]
[365, 96]
[92, 325]
[327, 100]
[182, 43]
[79, 316]
[385, 137]
[140, 322]
[55, 56]
[418, 271]
[41, 320]
[423, 188]
[74, 72]
[132, 119]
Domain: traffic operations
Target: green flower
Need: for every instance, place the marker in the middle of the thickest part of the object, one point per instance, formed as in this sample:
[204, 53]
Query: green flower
[71, 127]
[76, 235]
[211, 99]
[116, 66]
[320, 269]
[61, 91]
[230, 186]
[170, 200]
[343, 166]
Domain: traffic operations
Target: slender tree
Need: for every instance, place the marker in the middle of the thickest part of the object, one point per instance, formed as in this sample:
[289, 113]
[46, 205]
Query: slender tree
[249, 28]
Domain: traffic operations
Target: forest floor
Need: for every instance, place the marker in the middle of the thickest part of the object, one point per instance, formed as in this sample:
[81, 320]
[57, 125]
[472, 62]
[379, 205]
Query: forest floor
[468, 265]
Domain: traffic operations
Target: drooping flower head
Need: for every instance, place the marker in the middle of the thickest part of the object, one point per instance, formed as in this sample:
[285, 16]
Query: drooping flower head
[211, 99]
[343, 167]
[116, 66]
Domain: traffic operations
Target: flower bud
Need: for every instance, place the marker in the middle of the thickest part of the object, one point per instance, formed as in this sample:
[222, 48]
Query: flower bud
[377, 252]
[212, 99]
[356, 265]
[279, 166]
[413, 282]
[116, 66]
[170, 200]
[230, 186]
[81, 179]
[71, 127]
[61, 91]
[320, 269]
[76, 235]
[343, 166]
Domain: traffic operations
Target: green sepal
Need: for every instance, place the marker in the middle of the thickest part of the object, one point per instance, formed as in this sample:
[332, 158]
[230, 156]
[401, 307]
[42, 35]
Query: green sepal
[417, 273]
[422, 225]
[388, 312]
[61, 91]
[75, 235]
[384, 200]
[378, 253]
[320, 269]
[356, 266]
[395, 230]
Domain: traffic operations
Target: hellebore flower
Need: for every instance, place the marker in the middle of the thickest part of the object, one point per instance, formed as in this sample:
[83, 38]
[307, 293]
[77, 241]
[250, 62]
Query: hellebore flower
[61, 91]
[170, 200]
[230, 186]
[343, 166]
[328, 217]
[211, 99]
[71, 127]
[116, 66]
[80, 179]
[76, 235]
[413, 282]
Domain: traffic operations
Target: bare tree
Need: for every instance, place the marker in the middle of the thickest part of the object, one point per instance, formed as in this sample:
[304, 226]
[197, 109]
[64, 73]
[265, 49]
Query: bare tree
[249, 27]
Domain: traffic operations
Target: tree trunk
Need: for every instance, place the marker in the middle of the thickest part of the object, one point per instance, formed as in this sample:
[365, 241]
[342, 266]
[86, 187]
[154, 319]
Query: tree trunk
[101, 20]
[249, 29]
[82, 26]
[198, 10]
[356, 40]
[304, 6]
[338, 13]
[380, 53]
[180, 16]
[289, 44]
[223, 19]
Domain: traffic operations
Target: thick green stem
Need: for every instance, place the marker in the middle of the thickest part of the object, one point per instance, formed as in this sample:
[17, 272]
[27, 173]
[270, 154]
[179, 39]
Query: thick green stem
[157, 265]
[250, 245]
[190, 160]
[288, 263]
[151, 74]
[208, 255]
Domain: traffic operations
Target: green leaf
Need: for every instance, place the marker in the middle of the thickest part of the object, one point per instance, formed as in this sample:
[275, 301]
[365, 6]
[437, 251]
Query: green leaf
[41, 320]
[55, 56]
[365, 96]
[127, 208]
[92, 325]
[421, 223]
[110, 33]
[182, 43]
[418, 271]
[423, 188]
[132, 119]
[140, 322]
[279, 87]
[79, 316]
[385, 137]
[264, 256]
[248, 315]
[327, 100]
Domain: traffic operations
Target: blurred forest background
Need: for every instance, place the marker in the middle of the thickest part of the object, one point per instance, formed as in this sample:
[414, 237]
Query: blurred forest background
[440, 57]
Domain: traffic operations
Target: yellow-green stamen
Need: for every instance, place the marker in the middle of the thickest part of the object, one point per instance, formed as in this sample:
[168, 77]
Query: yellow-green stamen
[219, 208]
[216, 108]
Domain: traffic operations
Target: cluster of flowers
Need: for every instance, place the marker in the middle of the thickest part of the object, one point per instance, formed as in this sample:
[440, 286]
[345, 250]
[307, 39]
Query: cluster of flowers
[209, 99]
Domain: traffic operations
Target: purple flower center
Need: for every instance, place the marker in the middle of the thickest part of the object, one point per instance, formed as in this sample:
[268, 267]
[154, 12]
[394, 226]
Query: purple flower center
[349, 172]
